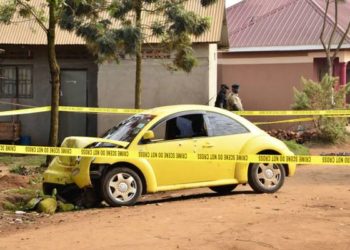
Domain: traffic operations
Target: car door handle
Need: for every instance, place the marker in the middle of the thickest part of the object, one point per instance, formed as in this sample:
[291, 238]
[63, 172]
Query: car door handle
[207, 145]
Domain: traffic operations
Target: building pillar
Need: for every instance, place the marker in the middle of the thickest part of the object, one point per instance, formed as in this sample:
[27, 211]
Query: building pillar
[342, 73]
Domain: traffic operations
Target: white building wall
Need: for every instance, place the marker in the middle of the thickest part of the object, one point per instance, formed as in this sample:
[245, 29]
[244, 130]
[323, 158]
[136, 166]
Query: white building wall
[116, 85]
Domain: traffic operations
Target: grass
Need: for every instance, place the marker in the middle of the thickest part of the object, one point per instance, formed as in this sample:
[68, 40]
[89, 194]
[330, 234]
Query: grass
[297, 148]
[18, 198]
[29, 160]
[25, 165]
[24, 191]
[19, 169]
[14, 206]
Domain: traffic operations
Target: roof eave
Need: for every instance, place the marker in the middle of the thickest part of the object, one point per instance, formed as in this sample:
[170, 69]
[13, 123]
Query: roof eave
[283, 48]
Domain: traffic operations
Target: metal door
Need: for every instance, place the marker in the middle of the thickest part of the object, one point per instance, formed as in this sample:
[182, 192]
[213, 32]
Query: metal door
[73, 93]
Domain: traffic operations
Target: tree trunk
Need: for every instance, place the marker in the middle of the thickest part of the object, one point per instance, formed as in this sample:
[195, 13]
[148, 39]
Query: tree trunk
[138, 83]
[55, 78]
[330, 65]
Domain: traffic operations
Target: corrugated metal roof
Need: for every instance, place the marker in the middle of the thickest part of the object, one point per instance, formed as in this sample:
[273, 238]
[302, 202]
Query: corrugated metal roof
[343, 9]
[255, 23]
[29, 32]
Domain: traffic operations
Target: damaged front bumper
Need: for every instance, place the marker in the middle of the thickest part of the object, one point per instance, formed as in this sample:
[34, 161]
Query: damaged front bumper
[75, 170]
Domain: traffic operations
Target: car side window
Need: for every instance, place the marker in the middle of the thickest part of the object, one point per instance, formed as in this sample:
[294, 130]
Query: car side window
[181, 127]
[223, 125]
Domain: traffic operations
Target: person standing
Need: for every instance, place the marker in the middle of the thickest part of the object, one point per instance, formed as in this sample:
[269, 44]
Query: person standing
[221, 98]
[234, 103]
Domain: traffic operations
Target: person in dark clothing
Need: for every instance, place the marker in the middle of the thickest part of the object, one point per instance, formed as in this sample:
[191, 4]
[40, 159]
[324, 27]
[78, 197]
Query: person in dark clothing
[221, 101]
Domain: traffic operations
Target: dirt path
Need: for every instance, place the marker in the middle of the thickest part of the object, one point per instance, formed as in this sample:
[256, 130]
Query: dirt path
[312, 211]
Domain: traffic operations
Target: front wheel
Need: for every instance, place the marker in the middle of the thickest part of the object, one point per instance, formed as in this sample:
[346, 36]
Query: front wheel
[266, 177]
[121, 187]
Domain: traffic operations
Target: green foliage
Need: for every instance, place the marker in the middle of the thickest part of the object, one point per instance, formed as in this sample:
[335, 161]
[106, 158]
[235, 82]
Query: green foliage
[25, 191]
[14, 206]
[24, 8]
[108, 40]
[297, 148]
[207, 2]
[20, 199]
[30, 199]
[119, 9]
[19, 169]
[7, 11]
[34, 161]
[158, 28]
[323, 96]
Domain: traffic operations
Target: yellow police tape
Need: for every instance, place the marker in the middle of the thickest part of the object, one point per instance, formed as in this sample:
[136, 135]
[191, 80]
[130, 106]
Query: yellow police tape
[99, 110]
[332, 112]
[70, 109]
[25, 111]
[285, 121]
[117, 153]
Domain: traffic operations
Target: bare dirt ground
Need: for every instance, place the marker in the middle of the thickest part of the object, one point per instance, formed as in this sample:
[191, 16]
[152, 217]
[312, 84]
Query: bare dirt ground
[311, 211]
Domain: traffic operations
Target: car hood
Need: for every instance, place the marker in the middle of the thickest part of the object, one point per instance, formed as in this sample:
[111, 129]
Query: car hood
[82, 142]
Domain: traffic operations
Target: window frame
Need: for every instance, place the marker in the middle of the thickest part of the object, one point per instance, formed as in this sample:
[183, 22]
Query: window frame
[169, 117]
[210, 128]
[16, 95]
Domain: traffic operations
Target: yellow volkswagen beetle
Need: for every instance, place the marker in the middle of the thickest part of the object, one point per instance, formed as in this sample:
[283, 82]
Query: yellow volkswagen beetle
[179, 129]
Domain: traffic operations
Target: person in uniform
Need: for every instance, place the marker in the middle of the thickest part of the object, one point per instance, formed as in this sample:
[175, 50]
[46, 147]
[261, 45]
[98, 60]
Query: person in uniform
[234, 103]
[221, 99]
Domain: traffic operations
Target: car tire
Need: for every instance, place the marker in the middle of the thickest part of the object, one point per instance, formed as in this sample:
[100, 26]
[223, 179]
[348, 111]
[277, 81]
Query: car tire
[225, 189]
[266, 177]
[121, 187]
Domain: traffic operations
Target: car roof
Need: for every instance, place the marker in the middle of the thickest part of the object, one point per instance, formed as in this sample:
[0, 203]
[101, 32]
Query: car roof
[179, 108]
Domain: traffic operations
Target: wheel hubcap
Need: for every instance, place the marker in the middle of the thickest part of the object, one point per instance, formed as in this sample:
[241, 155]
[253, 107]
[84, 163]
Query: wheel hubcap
[268, 175]
[122, 187]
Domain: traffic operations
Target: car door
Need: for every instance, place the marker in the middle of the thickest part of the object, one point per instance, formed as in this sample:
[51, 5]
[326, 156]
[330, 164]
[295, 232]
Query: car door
[226, 136]
[175, 135]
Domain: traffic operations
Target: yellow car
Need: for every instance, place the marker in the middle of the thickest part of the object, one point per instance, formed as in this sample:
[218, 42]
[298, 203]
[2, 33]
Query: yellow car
[172, 131]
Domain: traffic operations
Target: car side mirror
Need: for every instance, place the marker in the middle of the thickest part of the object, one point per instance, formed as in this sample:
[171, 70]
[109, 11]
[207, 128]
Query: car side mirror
[149, 135]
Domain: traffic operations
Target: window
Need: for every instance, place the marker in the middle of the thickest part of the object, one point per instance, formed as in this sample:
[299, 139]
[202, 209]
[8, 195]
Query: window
[127, 130]
[223, 125]
[16, 82]
[186, 126]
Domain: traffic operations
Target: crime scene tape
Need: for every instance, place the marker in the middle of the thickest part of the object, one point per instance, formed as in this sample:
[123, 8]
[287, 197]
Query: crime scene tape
[332, 112]
[285, 121]
[299, 120]
[25, 111]
[70, 109]
[294, 112]
[99, 110]
[122, 154]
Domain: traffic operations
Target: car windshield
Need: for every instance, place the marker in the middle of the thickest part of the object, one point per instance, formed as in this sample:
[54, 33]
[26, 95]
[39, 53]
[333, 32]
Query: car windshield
[127, 129]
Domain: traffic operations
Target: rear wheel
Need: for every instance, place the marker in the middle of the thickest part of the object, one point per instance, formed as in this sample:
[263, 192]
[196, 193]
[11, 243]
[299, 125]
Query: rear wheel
[225, 189]
[266, 177]
[121, 187]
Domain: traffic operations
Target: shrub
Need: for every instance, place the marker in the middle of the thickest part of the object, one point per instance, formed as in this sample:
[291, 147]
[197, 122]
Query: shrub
[297, 148]
[323, 96]
[19, 169]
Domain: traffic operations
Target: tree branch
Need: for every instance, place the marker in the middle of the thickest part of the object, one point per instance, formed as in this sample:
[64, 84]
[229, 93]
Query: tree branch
[32, 12]
[342, 40]
[324, 27]
[335, 26]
